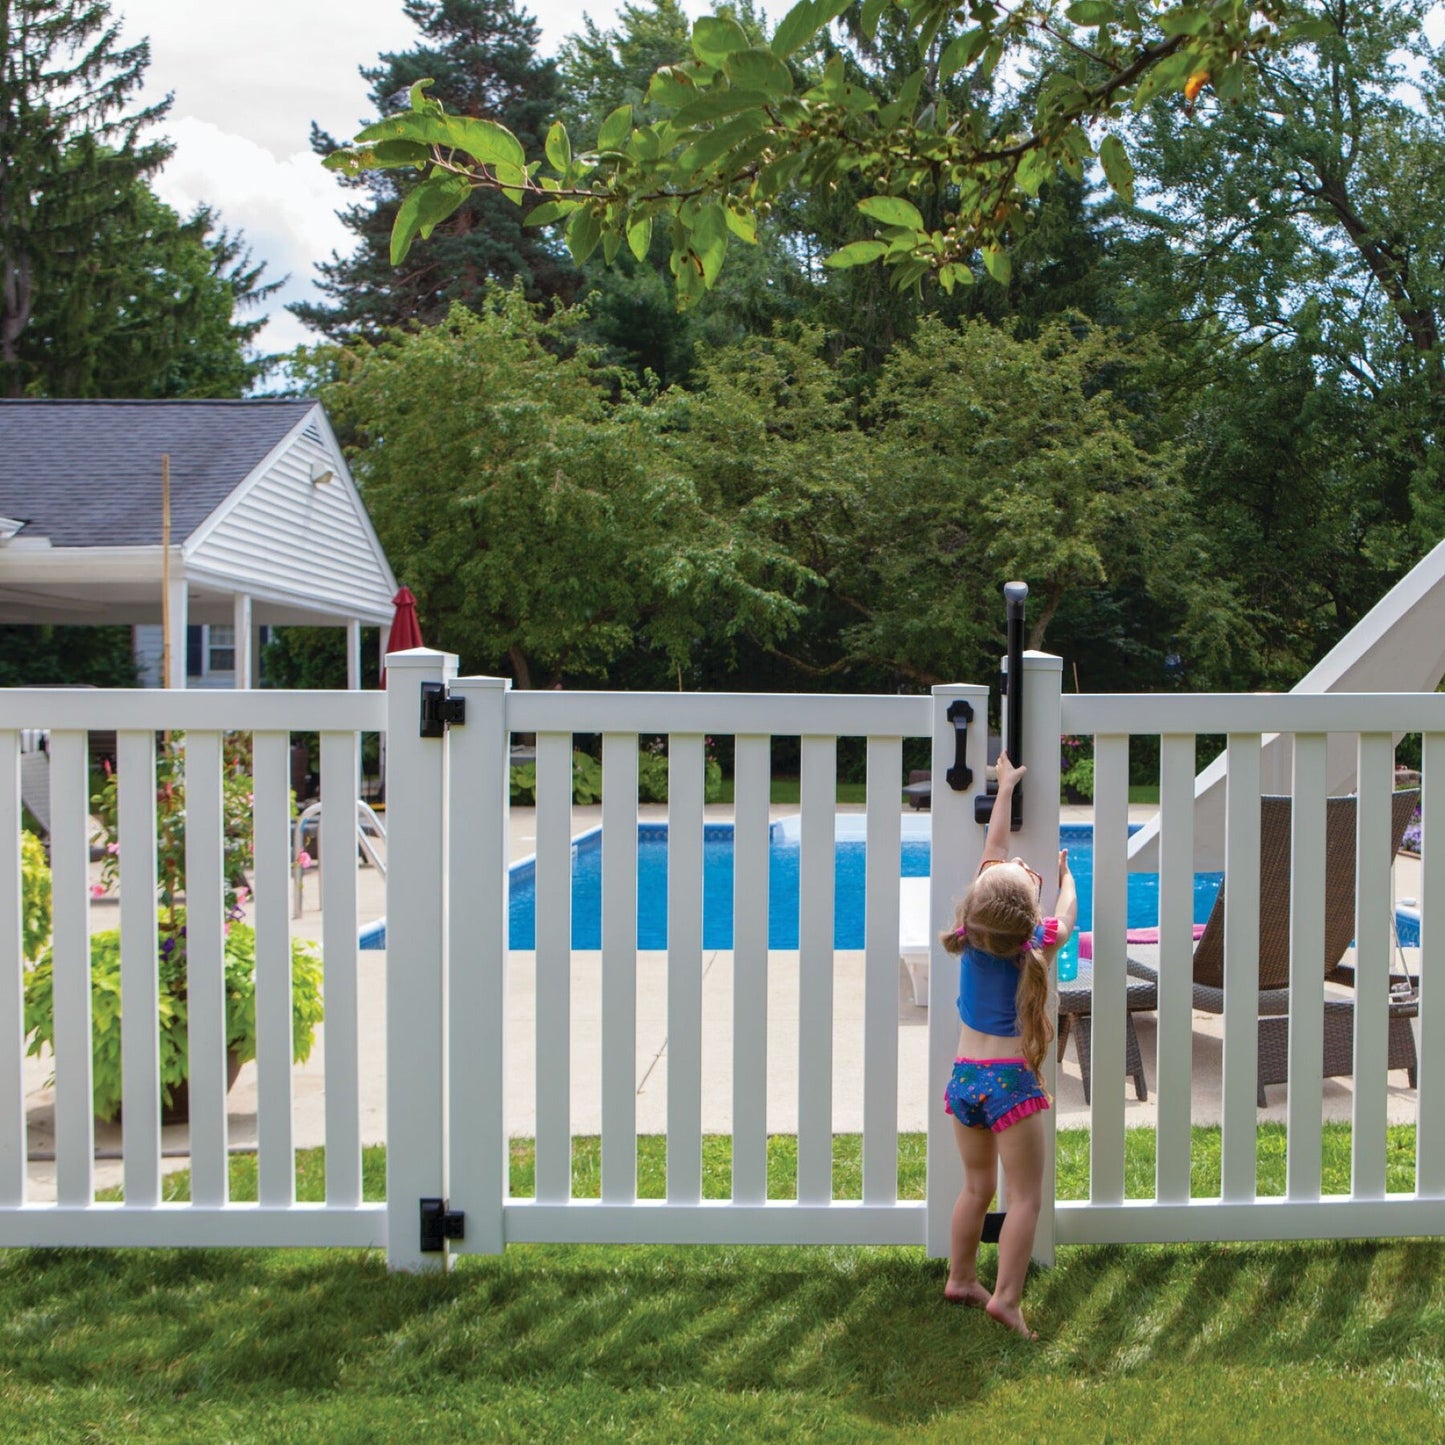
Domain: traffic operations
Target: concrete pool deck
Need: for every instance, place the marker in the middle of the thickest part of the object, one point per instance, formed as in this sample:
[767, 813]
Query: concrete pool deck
[916, 1095]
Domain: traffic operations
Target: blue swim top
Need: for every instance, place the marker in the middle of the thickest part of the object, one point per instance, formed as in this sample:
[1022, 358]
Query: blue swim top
[988, 985]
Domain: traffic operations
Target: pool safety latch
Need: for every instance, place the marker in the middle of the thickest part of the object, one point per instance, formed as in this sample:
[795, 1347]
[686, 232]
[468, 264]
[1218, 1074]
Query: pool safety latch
[438, 711]
[1011, 686]
[439, 1224]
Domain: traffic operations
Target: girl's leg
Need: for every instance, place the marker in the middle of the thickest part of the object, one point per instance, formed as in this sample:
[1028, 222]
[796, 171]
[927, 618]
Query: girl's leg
[977, 1149]
[1021, 1148]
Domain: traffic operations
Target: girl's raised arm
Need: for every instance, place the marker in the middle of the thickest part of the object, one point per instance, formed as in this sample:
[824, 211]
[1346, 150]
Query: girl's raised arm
[1000, 820]
[1067, 908]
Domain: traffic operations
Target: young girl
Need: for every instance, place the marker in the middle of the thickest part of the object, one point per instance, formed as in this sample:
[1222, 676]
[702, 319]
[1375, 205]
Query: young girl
[996, 1092]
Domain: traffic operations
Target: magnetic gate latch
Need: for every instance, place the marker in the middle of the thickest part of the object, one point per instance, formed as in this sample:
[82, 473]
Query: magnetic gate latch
[438, 1224]
[438, 711]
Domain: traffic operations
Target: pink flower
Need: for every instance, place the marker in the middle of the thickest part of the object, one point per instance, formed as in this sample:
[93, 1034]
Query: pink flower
[113, 849]
[303, 859]
[97, 890]
[242, 893]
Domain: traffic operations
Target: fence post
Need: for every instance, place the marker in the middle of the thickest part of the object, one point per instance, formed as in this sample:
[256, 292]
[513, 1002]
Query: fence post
[415, 938]
[955, 848]
[1038, 842]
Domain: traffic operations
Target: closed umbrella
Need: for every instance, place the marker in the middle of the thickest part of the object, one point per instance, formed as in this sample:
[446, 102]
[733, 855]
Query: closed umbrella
[405, 629]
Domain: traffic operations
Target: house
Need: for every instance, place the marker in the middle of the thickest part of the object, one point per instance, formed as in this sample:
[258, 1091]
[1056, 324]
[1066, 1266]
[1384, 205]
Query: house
[265, 526]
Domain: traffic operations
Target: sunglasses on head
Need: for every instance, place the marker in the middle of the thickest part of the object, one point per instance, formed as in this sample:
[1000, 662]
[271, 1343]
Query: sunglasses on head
[992, 862]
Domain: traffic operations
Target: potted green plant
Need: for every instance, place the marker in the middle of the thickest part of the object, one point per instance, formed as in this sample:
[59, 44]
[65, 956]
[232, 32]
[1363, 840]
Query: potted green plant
[239, 949]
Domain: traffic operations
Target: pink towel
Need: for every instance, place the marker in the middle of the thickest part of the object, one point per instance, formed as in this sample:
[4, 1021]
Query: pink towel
[1132, 935]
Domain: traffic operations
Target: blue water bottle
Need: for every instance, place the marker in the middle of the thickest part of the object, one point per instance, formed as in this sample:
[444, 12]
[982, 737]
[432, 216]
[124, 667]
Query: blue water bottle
[1069, 961]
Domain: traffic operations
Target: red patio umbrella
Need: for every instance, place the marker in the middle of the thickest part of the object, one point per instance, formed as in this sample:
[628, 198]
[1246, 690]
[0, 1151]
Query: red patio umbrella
[405, 629]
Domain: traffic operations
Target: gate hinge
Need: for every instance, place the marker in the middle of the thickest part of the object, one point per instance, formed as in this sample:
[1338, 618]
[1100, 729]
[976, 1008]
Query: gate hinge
[438, 1224]
[438, 711]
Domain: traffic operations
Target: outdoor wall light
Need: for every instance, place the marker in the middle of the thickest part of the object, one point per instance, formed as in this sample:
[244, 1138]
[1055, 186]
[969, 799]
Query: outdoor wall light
[321, 474]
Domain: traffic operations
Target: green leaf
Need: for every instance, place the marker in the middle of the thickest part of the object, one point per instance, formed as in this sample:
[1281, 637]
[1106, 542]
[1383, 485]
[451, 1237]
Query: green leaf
[803, 22]
[610, 244]
[559, 148]
[584, 231]
[715, 143]
[484, 140]
[872, 13]
[743, 225]
[709, 241]
[418, 99]
[891, 211]
[719, 103]
[961, 52]
[672, 87]
[856, 253]
[1117, 168]
[1035, 168]
[1169, 74]
[549, 211]
[758, 69]
[1091, 12]
[639, 237]
[1188, 20]
[998, 263]
[715, 38]
[430, 203]
[615, 129]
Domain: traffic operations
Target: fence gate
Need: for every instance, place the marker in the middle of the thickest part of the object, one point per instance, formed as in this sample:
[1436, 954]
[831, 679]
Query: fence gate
[728, 1012]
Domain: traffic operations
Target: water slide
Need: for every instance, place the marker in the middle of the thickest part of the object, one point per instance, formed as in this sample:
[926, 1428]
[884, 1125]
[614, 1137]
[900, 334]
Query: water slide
[1398, 646]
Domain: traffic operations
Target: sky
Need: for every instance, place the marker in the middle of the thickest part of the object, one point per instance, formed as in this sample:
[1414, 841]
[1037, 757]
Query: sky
[247, 80]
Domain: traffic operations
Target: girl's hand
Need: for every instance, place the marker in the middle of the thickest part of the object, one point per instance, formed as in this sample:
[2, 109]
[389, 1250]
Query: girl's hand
[1008, 774]
[1063, 865]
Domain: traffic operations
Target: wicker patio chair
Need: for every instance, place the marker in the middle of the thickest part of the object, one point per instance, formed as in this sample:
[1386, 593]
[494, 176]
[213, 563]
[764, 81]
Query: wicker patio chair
[1274, 878]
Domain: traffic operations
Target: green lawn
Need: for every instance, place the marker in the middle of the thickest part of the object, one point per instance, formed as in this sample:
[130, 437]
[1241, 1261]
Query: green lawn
[1147, 1343]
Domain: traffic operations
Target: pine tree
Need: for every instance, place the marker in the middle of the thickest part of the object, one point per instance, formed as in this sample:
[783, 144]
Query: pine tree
[481, 57]
[71, 152]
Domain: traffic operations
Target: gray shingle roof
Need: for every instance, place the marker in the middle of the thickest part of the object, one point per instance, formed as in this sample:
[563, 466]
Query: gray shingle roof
[88, 473]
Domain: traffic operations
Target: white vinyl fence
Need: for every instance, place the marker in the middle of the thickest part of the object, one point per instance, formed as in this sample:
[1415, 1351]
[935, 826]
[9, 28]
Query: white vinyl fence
[448, 1039]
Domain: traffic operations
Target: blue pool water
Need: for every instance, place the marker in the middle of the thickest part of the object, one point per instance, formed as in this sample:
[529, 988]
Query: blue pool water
[849, 858]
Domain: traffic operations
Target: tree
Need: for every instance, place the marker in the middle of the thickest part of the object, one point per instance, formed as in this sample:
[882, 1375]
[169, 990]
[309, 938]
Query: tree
[479, 57]
[71, 152]
[737, 135]
[46, 656]
[149, 311]
[529, 515]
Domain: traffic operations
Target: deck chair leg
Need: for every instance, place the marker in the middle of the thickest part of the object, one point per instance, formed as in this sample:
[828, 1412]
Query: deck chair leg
[1134, 1060]
[1083, 1049]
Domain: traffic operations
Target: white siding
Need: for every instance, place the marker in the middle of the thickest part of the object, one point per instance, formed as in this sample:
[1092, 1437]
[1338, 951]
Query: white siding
[285, 534]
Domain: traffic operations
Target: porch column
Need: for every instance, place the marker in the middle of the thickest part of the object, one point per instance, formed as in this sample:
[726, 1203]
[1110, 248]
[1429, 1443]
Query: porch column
[177, 599]
[353, 653]
[244, 640]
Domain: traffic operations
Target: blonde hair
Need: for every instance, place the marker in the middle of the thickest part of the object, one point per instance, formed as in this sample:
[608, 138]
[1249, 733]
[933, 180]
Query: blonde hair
[998, 915]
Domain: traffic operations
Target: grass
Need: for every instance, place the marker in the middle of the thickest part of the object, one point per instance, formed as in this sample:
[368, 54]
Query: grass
[1334, 1341]
[788, 791]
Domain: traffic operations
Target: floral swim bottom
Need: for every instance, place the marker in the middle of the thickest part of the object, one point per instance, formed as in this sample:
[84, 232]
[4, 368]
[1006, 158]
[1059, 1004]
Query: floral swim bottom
[993, 1093]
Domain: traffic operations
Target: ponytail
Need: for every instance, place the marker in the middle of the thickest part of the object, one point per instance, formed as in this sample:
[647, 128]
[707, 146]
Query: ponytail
[1036, 1027]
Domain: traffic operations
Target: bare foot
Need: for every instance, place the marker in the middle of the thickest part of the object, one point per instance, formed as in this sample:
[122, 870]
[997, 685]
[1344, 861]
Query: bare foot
[1011, 1316]
[972, 1293]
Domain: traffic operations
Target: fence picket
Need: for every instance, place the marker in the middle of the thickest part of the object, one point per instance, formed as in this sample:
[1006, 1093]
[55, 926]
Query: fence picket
[275, 1153]
[685, 761]
[1374, 937]
[554, 967]
[752, 773]
[206, 966]
[880, 971]
[1430, 1102]
[619, 967]
[12, 981]
[1174, 1041]
[1306, 948]
[70, 881]
[340, 766]
[139, 989]
[817, 795]
[1111, 836]
[1241, 969]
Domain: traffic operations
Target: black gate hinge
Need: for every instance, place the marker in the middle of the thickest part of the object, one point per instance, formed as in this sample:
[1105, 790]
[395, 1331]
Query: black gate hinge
[438, 711]
[438, 1224]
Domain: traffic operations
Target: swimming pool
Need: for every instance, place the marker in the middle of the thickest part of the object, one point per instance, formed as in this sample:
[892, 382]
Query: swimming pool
[850, 854]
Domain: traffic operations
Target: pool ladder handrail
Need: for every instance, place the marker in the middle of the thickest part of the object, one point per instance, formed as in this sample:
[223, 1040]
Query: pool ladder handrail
[368, 825]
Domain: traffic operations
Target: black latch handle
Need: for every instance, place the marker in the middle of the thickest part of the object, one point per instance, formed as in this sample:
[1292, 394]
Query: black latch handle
[960, 714]
[439, 1224]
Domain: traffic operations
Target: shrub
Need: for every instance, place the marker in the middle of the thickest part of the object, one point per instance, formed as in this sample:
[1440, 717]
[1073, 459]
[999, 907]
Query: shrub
[240, 959]
[34, 896]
